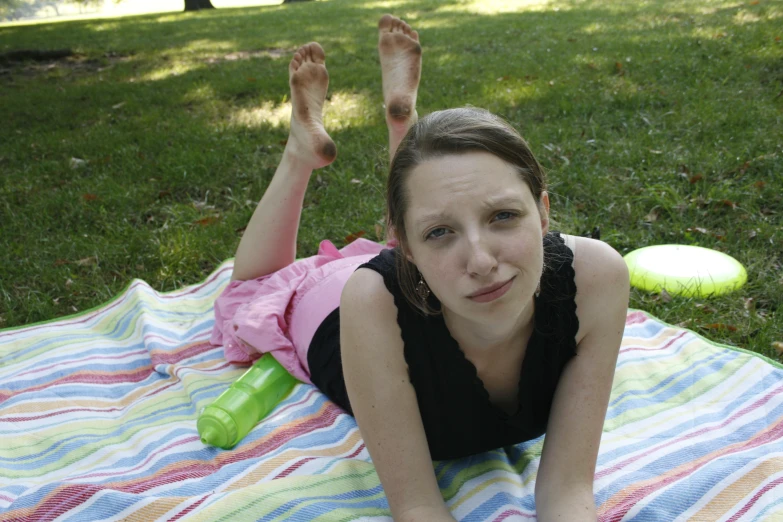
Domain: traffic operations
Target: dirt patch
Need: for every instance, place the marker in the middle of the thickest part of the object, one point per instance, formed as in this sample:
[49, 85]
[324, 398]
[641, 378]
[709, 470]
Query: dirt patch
[35, 62]
[275, 54]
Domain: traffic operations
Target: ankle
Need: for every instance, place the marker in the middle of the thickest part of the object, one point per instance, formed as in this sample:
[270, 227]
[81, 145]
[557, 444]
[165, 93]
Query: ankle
[398, 127]
[298, 160]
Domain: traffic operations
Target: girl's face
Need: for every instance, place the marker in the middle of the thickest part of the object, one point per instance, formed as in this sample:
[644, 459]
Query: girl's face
[472, 222]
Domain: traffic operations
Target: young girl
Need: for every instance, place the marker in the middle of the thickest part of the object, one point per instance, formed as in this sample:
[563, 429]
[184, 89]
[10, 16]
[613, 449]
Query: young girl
[474, 327]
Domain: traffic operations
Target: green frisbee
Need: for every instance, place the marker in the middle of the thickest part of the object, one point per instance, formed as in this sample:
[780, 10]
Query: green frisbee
[689, 271]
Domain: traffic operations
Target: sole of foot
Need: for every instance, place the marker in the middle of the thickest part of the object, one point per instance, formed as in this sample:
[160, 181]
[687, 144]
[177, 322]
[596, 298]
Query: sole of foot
[309, 81]
[400, 54]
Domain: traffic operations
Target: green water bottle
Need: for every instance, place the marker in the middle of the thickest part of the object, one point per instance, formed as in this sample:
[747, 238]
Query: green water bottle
[238, 409]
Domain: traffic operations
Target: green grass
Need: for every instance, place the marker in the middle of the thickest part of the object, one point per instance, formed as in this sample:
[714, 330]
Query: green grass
[658, 121]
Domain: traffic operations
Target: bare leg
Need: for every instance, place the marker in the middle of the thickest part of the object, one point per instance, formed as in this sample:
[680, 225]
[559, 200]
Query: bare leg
[269, 241]
[400, 53]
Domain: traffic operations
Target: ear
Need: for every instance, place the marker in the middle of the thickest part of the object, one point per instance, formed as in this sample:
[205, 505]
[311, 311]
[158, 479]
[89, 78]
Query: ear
[543, 207]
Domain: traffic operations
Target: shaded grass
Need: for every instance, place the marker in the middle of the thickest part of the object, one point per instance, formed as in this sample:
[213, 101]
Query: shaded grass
[658, 122]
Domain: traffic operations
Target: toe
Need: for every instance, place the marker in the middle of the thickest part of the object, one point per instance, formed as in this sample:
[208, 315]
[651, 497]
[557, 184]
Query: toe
[317, 52]
[415, 35]
[385, 23]
[296, 61]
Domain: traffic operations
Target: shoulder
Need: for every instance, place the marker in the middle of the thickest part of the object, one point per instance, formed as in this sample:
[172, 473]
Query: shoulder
[366, 296]
[602, 283]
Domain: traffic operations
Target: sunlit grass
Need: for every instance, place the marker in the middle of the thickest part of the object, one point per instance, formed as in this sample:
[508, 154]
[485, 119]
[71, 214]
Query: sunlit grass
[124, 8]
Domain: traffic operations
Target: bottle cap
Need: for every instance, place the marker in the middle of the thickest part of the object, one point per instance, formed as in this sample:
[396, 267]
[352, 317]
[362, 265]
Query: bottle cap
[217, 428]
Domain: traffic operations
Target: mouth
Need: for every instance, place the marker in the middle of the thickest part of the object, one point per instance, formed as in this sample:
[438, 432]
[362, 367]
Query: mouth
[492, 289]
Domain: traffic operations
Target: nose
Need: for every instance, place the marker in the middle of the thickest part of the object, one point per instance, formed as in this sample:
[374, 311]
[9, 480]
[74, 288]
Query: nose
[481, 259]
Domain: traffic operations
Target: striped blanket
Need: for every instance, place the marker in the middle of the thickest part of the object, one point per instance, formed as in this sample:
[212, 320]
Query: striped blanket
[98, 422]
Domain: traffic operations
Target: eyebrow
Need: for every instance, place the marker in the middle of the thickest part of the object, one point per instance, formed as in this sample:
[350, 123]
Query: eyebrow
[487, 204]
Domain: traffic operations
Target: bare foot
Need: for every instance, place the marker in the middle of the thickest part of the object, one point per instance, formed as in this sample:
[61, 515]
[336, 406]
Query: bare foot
[309, 80]
[400, 52]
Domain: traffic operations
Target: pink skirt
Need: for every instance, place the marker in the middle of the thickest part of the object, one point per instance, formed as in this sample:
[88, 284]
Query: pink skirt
[280, 312]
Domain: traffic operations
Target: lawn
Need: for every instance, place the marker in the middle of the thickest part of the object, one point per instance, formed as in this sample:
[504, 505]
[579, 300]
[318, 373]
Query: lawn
[144, 154]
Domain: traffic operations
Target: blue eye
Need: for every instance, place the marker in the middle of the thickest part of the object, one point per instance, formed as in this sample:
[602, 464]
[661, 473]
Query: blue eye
[511, 215]
[431, 234]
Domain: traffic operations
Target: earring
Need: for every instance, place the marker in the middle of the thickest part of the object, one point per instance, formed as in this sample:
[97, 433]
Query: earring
[422, 290]
[538, 289]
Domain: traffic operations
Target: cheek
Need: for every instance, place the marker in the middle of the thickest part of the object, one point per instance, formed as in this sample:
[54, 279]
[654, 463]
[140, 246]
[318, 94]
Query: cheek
[441, 273]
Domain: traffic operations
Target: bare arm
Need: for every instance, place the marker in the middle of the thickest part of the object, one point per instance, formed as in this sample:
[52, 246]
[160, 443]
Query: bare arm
[384, 400]
[564, 485]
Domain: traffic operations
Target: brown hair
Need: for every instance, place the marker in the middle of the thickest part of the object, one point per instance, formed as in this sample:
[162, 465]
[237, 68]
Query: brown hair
[452, 131]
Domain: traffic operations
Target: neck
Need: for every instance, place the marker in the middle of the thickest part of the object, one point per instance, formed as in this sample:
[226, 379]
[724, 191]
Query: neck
[481, 337]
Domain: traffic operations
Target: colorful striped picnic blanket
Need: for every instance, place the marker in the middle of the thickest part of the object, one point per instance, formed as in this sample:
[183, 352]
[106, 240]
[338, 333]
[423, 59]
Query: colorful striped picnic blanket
[98, 422]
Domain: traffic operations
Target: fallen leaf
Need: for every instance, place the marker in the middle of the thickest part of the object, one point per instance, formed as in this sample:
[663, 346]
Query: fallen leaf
[752, 234]
[696, 177]
[778, 346]
[89, 197]
[618, 66]
[115, 107]
[652, 216]
[665, 297]
[164, 193]
[350, 238]
[705, 308]
[749, 303]
[77, 163]
[56, 300]
[697, 229]
[720, 326]
[68, 283]
[74, 308]
[61, 262]
[759, 184]
[356, 181]
[87, 261]
[206, 221]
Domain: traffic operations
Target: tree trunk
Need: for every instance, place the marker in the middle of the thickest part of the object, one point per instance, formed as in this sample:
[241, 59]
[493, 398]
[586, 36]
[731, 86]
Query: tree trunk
[195, 5]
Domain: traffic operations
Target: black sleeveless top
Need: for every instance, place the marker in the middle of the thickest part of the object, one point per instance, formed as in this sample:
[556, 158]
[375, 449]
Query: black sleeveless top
[459, 418]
